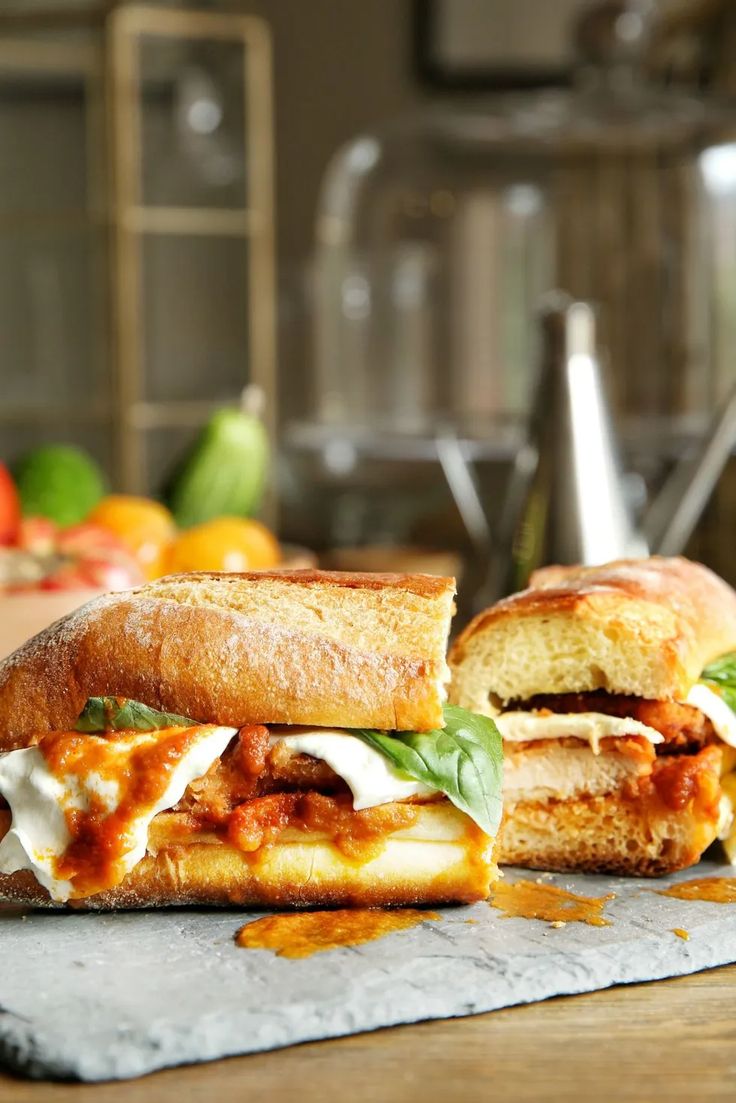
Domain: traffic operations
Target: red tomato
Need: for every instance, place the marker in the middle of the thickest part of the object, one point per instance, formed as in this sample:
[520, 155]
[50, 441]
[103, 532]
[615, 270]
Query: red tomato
[93, 574]
[111, 575]
[9, 508]
[68, 577]
[37, 535]
[106, 569]
[86, 540]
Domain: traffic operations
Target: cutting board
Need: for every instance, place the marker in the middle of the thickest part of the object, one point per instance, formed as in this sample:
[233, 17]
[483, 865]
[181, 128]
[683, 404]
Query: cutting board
[109, 996]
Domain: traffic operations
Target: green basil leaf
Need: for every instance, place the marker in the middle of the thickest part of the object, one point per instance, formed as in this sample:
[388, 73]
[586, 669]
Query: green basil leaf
[721, 671]
[464, 760]
[720, 675]
[111, 714]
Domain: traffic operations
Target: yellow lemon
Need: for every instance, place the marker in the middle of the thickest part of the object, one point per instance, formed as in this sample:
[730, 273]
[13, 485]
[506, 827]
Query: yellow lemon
[145, 526]
[224, 544]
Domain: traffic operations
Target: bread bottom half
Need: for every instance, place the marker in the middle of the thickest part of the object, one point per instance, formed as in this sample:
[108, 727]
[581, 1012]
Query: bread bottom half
[605, 834]
[441, 858]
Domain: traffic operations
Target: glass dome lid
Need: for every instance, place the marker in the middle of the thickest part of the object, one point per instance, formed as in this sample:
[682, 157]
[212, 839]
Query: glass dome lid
[438, 234]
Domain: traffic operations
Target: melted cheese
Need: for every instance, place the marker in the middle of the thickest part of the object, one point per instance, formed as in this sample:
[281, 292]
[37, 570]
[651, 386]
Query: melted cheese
[81, 806]
[369, 775]
[723, 720]
[715, 708]
[726, 820]
[591, 727]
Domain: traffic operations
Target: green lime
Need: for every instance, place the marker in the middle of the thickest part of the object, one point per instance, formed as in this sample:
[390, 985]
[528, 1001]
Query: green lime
[60, 482]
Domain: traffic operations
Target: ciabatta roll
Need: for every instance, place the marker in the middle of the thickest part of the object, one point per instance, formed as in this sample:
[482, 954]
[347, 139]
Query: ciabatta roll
[614, 743]
[281, 647]
[237, 739]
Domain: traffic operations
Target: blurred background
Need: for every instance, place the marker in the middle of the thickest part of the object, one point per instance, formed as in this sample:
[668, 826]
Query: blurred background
[282, 262]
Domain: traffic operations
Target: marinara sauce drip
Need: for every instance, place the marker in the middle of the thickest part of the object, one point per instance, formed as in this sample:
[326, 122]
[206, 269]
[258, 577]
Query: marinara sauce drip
[532, 900]
[716, 890]
[100, 837]
[304, 933]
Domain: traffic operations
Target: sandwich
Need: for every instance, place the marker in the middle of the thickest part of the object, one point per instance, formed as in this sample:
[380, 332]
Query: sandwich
[273, 738]
[614, 689]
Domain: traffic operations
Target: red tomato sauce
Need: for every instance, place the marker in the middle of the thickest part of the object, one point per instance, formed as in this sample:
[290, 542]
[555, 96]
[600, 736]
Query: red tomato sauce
[93, 860]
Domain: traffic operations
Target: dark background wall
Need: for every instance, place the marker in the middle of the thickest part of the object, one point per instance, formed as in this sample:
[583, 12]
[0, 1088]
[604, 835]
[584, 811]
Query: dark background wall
[340, 66]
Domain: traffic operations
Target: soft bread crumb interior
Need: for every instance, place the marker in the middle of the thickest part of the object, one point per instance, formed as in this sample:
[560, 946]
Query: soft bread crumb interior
[603, 834]
[514, 658]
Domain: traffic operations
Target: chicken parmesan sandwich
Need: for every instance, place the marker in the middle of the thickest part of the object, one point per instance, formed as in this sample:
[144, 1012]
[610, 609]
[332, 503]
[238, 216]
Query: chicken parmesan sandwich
[614, 688]
[273, 738]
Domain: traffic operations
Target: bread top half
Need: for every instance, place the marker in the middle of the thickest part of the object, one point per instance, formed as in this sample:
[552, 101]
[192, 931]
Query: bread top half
[321, 648]
[644, 627]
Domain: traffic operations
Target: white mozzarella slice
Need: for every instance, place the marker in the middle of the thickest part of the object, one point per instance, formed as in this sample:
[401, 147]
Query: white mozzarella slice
[368, 774]
[715, 708]
[591, 727]
[39, 836]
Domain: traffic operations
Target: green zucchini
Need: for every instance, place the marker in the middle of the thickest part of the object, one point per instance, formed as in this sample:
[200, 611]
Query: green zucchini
[224, 474]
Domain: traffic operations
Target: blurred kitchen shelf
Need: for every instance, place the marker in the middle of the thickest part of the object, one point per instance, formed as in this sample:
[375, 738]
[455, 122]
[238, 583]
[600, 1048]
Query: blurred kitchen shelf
[22, 59]
[42, 222]
[142, 415]
[143, 226]
[656, 438]
[174, 414]
[369, 443]
[188, 221]
[89, 414]
[212, 221]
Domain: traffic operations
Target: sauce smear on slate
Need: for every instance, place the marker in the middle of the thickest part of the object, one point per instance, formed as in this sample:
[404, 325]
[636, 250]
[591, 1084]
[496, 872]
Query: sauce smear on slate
[716, 890]
[532, 900]
[301, 934]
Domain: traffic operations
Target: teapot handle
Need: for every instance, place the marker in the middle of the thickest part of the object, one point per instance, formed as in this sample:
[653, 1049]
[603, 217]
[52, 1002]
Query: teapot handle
[676, 510]
[460, 478]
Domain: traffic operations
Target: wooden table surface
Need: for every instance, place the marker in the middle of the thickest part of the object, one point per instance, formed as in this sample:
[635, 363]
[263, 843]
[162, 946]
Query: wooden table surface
[674, 1041]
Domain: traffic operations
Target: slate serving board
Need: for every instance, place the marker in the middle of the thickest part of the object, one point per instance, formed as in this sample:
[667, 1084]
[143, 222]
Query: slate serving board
[98, 997]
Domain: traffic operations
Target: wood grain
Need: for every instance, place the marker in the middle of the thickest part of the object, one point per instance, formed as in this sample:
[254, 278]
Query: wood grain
[674, 1041]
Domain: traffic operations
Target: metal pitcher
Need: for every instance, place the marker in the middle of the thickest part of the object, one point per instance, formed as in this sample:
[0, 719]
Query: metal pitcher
[566, 500]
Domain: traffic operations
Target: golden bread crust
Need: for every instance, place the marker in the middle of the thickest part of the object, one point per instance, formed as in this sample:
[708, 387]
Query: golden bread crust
[643, 627]
[605, 834]
[302, 647]
[443, 858]
[423, 585]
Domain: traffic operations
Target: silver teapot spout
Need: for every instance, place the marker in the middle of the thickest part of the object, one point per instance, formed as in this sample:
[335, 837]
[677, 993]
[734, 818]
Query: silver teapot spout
[566, 500]
[566, 497]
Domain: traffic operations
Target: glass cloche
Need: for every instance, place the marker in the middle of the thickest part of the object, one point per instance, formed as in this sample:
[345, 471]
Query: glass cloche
[436, 238]
[437, 234]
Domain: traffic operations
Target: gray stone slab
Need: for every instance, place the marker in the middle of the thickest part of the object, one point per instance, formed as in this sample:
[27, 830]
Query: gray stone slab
[98, 997]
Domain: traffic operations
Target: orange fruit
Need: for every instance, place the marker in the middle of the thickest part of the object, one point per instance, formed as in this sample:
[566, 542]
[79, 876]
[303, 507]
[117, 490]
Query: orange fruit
[145, 526]
[224, 544]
